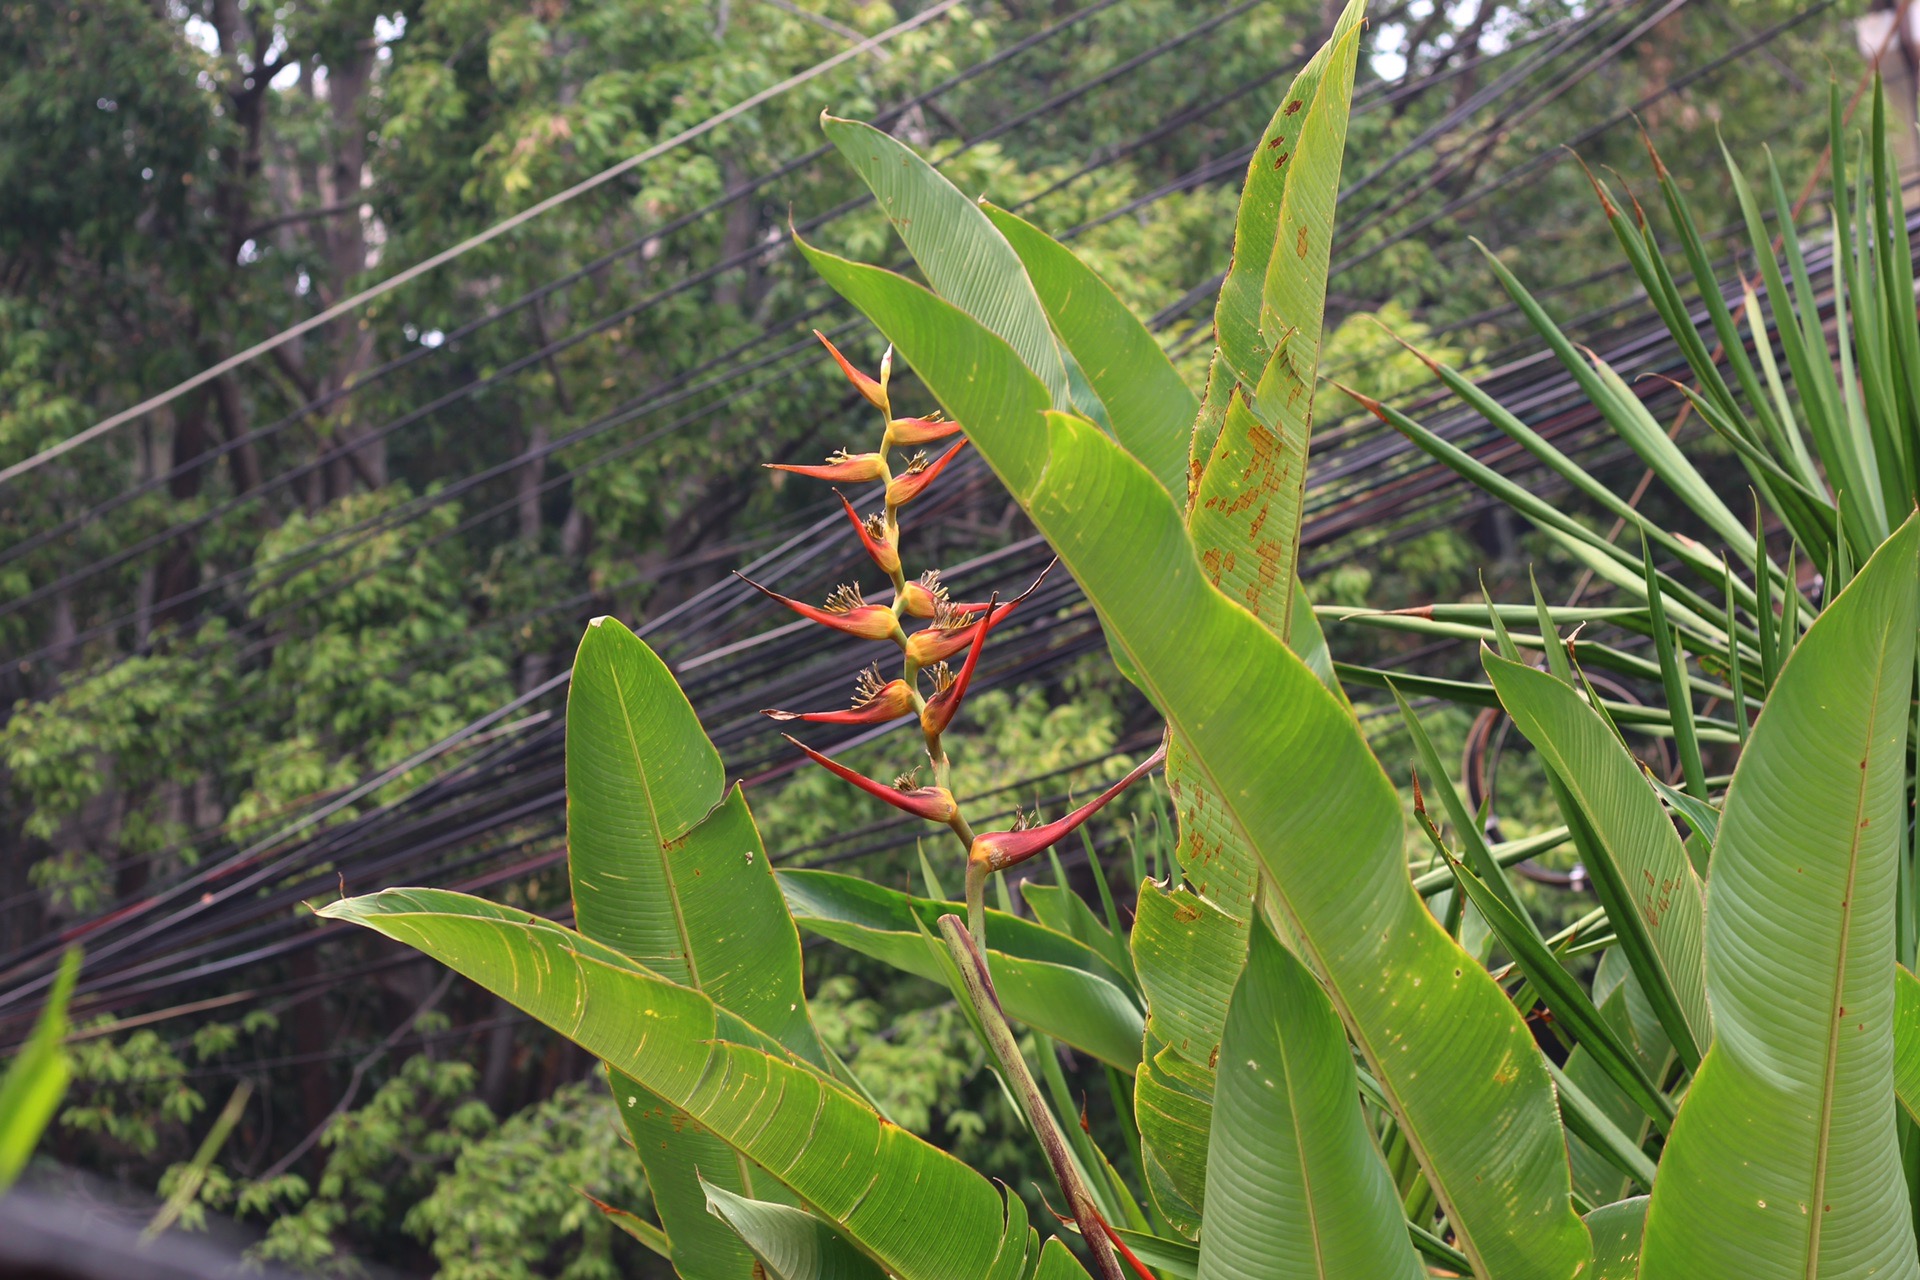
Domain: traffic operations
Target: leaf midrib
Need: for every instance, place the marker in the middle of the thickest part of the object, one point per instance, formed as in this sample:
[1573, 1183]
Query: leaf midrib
[1306, 1173]
[660, 837]
[1822, 1136]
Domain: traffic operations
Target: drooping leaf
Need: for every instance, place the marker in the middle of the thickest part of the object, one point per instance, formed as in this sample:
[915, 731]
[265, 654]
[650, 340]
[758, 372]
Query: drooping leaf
[1785, 1160]
[913, 1208]
[1296, 1187]
[790, 1243]
[1296, 780]
[1054, 983]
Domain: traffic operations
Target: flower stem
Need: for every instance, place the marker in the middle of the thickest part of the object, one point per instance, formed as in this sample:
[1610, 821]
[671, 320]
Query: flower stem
[972, 963]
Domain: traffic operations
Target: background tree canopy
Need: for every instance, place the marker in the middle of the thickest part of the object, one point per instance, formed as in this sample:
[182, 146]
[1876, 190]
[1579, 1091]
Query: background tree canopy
[308, 626]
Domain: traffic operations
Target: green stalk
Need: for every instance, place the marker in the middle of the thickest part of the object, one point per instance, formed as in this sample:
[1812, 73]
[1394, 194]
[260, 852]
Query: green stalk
[978, 986]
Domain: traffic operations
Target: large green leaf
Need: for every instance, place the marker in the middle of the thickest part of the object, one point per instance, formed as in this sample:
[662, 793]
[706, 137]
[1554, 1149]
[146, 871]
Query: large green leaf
[1243, 329]
[1295, 1185]
[1654, 899]
[1053, 983]
[1248, 475]
[965, 259]
[1247, 508]
[791, 1244]
[1188, 953]
[667, 864]
[913, 1208]
[1784, 1161]
[1150, 408]
[1297, 781]
[668, 868]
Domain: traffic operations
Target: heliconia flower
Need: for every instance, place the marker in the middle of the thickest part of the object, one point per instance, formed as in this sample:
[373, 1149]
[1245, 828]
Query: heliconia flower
[846, 611]
[1000, 849]
[903, 489]
[907, 433]
[935, 804]
[874, 391]
[924, 599]
[873, 536]
[874, 702]
[942, 706]
[953, 625]
[841, 466]
[940, 642]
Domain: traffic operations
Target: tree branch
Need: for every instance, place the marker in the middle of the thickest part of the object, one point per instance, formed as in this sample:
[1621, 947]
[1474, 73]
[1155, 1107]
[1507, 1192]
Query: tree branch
[305, 215]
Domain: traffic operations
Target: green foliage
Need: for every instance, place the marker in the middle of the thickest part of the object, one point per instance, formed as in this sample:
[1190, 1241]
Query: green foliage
[511, 1205]
[1330, 1065]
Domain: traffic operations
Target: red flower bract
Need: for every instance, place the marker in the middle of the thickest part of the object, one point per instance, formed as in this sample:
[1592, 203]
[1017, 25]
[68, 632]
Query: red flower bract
[883, 552]
[935, 804]
[1000, 849]
[944, 705]
[868, 621]
[873, 703]
[875, 392]
[843, 468]
[907, 433]
[903, 489]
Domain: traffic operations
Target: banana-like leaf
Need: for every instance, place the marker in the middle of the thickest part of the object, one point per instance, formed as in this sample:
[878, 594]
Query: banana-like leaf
[913, 1208]
[790, 1243]
[1653, 898]
[1246, 327]
[1189, 954]
[965, 258]
[667, 864]
[1296, 1187]
[1053, 983]
[1246, 510]
[1616, 1230]
[1249, 462]
[1595, 1176]
[668, 868]
[1296, 780]
[1150, 408]
[1785, 1159]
